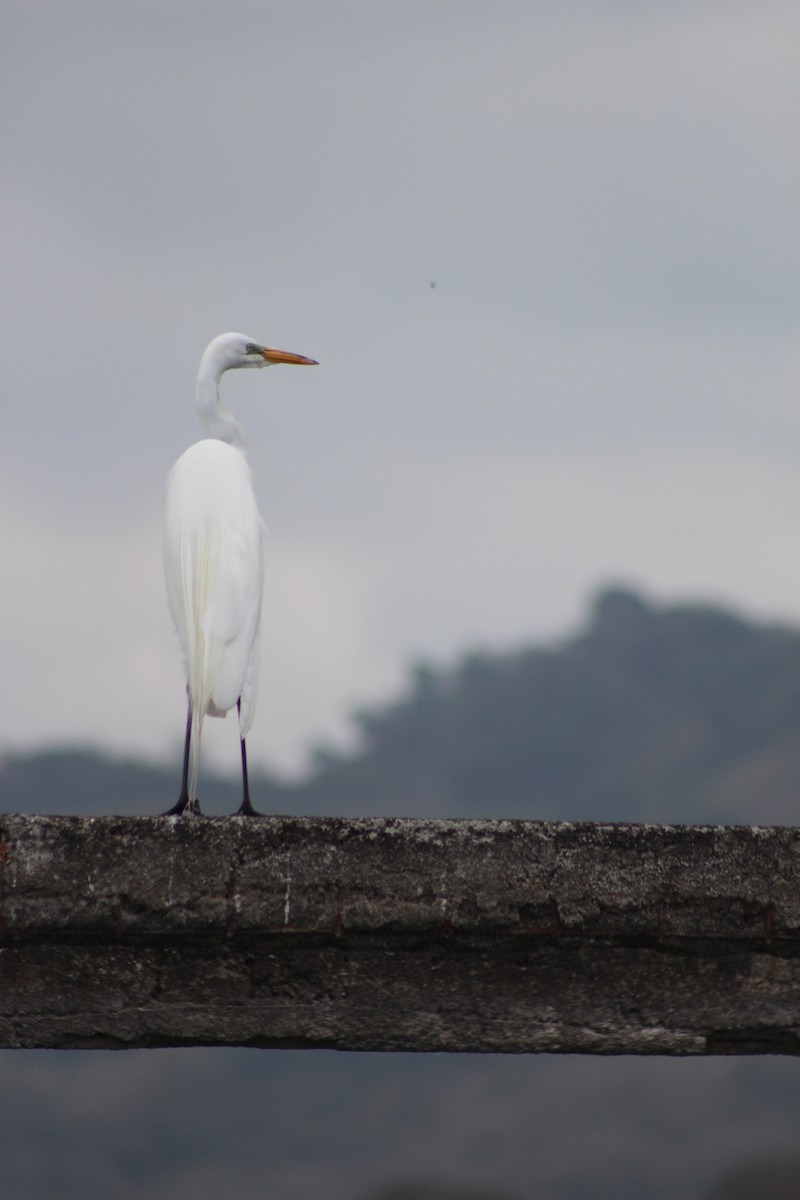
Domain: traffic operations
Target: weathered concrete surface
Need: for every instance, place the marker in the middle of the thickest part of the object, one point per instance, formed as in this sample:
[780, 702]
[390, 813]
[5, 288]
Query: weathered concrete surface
[376, 934]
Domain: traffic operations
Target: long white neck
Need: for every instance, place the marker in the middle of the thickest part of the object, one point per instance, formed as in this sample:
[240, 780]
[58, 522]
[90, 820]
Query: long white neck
[216, 420]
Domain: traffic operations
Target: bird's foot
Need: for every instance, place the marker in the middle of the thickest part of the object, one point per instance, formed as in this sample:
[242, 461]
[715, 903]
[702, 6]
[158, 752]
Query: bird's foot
[184, 805]
[246, 809]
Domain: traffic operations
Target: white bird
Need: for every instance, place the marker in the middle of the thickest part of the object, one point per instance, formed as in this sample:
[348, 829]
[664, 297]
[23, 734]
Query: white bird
[213, 561]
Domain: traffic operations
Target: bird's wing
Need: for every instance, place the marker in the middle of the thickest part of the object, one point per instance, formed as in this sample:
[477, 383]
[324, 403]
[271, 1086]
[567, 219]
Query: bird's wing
[233, 622]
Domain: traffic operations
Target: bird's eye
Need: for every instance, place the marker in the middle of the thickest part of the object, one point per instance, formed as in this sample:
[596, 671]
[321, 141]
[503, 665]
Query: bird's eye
[250, 348]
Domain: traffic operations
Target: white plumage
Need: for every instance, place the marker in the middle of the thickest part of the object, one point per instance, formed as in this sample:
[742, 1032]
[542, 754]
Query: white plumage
[214, 563]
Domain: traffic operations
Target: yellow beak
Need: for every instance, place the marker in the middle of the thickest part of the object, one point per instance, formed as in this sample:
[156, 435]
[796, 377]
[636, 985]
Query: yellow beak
[285, 356]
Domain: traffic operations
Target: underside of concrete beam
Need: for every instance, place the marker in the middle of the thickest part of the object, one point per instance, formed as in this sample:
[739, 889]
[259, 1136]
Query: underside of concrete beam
[380, 934]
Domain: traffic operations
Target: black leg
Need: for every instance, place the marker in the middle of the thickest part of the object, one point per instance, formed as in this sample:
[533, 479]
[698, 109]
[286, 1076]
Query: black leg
[246, 809]
[183, 800]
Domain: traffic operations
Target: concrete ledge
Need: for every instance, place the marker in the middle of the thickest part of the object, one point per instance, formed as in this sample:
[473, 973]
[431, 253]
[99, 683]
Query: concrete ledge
[377, 934]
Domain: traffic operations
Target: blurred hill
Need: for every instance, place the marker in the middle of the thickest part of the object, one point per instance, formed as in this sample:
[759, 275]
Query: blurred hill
[667, 714]
[681, 713]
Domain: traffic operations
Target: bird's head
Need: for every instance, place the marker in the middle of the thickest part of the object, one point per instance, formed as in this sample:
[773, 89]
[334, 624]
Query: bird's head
[232, 350]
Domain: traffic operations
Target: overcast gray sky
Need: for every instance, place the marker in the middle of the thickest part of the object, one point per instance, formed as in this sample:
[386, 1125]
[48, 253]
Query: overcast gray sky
[602, 384]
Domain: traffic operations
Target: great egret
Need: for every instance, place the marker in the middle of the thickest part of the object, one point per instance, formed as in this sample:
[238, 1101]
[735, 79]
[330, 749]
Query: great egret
[213, 561]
